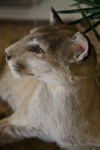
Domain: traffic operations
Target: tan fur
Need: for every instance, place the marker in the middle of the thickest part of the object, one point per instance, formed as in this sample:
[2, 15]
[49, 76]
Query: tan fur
[63, 104]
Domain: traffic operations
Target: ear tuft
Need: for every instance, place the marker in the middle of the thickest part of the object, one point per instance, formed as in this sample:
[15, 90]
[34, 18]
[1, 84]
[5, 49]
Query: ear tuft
[81, 46]
[54, 18]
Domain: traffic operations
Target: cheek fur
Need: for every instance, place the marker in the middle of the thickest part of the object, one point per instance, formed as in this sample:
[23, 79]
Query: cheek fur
[36, 66]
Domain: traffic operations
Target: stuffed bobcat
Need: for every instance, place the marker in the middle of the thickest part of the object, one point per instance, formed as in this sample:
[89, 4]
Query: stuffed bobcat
[58, 98]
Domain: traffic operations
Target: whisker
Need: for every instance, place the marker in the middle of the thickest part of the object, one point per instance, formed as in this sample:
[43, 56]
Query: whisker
[19, 69]
[20, 66]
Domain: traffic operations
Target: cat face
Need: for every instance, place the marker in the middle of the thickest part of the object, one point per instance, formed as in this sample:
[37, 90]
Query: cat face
[46, 50]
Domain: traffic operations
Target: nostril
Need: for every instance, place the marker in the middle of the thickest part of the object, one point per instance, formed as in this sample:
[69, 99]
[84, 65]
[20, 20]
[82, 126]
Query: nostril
[7, 56]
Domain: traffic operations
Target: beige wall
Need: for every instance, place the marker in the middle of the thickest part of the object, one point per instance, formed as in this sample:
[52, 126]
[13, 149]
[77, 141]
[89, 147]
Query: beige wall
[37, 12]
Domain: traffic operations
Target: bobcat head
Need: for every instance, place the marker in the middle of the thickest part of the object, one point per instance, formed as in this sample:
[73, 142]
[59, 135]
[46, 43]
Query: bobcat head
[51, 50]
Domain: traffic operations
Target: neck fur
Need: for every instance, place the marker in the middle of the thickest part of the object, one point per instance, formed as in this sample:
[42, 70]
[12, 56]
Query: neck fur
[75, 92]
[72, 101]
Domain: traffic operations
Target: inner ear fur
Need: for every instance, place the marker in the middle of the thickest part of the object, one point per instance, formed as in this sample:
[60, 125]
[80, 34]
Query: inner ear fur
[80, 45]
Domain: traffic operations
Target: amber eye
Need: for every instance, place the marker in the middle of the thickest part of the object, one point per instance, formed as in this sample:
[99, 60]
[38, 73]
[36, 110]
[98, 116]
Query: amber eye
[39, 50]
[35, 48]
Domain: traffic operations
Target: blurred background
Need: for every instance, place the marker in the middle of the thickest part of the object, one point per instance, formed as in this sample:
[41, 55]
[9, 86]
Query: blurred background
[32, 9]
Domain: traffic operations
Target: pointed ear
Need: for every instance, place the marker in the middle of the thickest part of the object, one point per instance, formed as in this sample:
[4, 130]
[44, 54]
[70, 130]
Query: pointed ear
[80, 44]
[54, 18]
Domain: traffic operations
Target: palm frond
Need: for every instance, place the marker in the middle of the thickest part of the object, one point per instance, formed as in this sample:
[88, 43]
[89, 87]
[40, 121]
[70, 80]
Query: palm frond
[87, 2]
[91, 26]
[97, 1]
[88, 14]
[90, 17]
[95, 25]
[86, 10]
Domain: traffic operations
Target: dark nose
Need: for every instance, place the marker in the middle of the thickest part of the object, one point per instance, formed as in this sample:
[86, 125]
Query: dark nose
[7, 56]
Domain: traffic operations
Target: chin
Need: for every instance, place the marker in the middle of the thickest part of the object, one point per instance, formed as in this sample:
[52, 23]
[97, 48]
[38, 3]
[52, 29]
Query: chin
[15, 73]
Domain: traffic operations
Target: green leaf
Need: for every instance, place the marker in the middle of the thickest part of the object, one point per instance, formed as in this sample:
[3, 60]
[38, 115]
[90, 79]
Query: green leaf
[94, 12]
[95, 25]
[90, 17]
[91, 26]
[86, 10]
[76, 21]
[88, 2]
[97, 1]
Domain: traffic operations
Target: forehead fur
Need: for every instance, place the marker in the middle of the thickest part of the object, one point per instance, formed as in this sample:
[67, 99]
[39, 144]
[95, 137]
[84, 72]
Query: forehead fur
[58, 30]
[56, 37]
